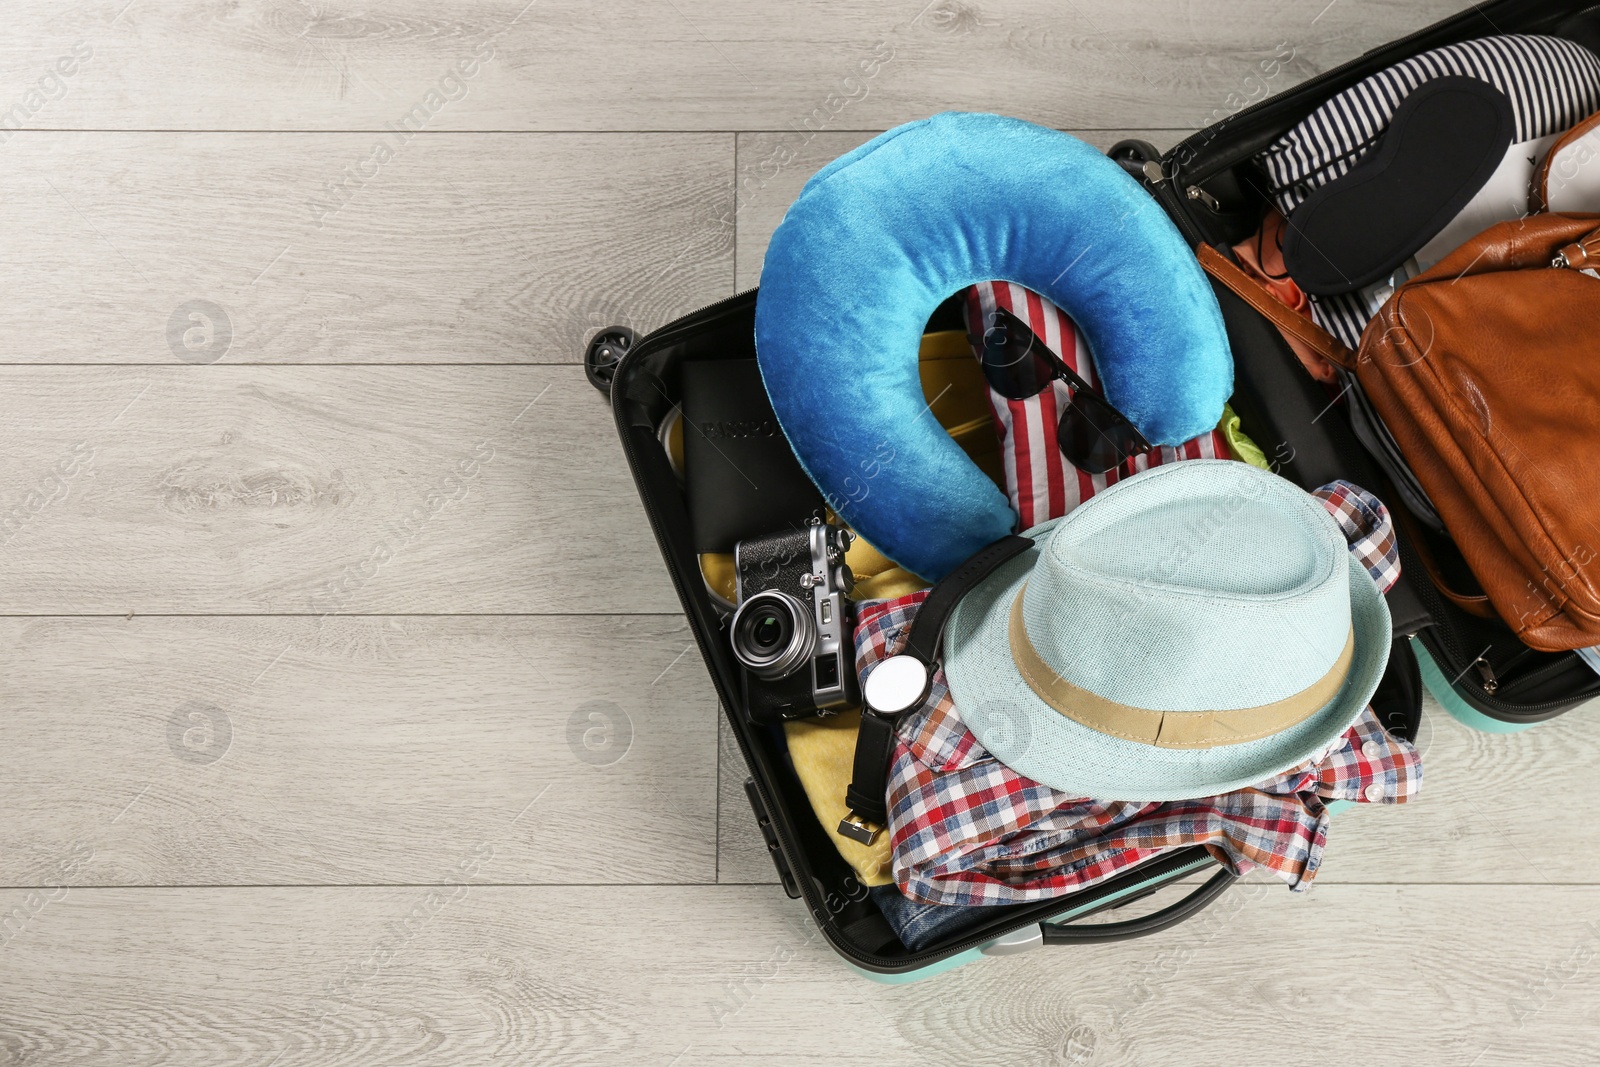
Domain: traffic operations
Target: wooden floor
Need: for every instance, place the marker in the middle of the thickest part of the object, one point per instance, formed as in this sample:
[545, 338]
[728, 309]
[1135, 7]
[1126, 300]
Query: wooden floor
[320, 558]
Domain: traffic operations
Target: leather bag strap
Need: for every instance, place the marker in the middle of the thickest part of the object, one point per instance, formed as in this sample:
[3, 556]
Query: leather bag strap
[1290, 322]
[1471, 603]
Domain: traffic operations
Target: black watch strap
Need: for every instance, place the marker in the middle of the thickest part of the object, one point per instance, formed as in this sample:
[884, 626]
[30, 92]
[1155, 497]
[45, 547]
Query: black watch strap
[927, 629]
[869, 778]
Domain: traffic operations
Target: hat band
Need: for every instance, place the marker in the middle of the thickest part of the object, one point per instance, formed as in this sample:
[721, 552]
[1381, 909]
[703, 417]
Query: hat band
[1170, 729]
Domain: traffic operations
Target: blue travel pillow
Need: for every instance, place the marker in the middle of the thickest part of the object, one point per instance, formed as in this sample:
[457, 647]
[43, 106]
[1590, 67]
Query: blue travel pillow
[883, 234]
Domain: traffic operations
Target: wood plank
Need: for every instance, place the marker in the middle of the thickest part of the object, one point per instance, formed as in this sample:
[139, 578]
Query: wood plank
[354, 248]
[312, 701]
[774, 165]
[1484, 813]
[310, 490]
[170, 516]
[128, 680]
[282, 750]
[688, 65]
[481, 974]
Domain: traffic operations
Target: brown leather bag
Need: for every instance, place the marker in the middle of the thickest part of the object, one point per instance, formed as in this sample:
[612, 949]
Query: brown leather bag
[1486, 371]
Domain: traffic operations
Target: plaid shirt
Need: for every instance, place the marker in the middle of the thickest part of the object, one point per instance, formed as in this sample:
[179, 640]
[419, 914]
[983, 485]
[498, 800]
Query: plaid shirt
[966, 829]
[1366, 524]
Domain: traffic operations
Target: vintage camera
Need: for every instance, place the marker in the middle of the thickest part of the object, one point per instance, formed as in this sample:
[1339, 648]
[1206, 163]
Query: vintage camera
[794, 627]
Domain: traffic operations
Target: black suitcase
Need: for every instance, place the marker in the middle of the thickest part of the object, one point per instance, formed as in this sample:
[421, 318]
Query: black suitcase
[1207, 186]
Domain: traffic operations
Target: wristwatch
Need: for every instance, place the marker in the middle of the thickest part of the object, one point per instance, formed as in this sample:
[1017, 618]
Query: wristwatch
[899, 683]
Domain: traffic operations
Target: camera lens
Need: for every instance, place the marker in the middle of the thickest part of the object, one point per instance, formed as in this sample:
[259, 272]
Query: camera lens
[767, 632]
[773, 634]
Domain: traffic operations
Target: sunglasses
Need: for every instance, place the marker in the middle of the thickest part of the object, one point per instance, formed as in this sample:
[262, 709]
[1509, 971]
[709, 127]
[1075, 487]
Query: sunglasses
[1093, 435]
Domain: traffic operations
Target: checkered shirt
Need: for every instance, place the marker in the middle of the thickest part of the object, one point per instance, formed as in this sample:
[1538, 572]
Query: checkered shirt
[966, 829]
[1367, 526]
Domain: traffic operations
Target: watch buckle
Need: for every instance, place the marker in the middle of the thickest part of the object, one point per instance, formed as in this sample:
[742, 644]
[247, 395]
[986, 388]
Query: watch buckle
[860, 830]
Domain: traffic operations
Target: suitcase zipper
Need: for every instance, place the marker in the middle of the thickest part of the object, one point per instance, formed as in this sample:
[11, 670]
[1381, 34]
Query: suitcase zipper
[1486, 700]
[1442, 645]
[1538, 674]
[1194, 192]
[1486, 676]
[1169, 162]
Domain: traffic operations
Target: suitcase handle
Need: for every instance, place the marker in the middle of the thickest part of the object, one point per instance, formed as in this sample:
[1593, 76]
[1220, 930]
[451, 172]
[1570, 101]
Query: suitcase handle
[1155, 922]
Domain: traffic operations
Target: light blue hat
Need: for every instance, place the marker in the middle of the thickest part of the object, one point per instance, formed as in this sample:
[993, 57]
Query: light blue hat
[1197, 628]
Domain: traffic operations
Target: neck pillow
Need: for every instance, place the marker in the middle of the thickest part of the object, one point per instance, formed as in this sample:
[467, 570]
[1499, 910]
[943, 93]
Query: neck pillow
[880, 236]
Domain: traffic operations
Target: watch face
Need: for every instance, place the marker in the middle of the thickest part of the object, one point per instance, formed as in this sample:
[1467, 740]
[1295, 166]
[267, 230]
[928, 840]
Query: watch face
[896, 684]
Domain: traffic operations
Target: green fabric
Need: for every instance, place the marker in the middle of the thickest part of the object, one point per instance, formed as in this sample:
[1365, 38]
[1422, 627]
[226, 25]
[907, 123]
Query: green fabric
[1239, 443]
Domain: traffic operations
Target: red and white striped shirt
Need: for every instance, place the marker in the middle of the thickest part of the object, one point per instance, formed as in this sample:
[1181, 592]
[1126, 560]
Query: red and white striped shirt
[1041, 483]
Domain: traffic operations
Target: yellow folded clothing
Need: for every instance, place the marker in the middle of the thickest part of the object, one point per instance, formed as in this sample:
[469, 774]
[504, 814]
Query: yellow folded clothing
[1243, 448]
[823, 752]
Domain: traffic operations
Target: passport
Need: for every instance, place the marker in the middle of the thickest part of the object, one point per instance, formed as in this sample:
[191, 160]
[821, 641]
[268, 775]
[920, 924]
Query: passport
[740, 475]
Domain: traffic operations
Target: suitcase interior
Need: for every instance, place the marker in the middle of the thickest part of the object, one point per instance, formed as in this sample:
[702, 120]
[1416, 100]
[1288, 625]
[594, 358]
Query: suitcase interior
[1210, 188]
[644, 391]
[1281, 407]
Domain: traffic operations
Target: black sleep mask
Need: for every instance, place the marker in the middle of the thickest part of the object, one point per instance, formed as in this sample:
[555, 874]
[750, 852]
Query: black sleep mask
[1445, 140]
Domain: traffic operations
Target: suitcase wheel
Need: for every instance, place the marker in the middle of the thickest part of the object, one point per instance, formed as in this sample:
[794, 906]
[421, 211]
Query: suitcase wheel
[1137, 158]
[605, 351]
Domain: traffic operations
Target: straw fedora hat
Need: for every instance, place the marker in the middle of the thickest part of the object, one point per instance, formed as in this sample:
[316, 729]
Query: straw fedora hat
[1197, 628]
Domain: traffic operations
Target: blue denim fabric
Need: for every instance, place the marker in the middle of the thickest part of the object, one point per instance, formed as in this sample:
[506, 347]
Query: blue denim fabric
[920, 925]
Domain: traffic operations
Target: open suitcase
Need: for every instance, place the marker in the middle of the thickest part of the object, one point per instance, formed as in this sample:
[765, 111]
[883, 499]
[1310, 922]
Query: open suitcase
[1205, 185]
